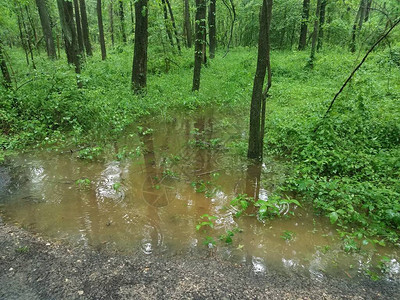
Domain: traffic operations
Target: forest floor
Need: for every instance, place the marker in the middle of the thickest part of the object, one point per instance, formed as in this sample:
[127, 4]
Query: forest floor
[33, 267]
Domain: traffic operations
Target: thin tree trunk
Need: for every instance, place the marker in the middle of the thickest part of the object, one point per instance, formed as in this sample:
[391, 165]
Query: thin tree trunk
[200, 26]
[122, 20]
[46, 27]
[132, 17]
[101, 31]
[354, 30]
[78, 27]
[85, 28]
[139, 67]
[257, 110]
[111, 16]
[212, 27]
[28, 37]
[368, 10]
[21, 36]
[321, 24]
[4, 68]
[166, 22]
[303, 28]
[174, 25]
[315, 34]
[33, 28]
[188, 26]
[66, 13]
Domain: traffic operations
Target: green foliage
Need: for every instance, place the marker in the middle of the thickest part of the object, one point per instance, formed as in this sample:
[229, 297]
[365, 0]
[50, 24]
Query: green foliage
[208, 223]
[83, 182]
[23, 249]
[288, 235]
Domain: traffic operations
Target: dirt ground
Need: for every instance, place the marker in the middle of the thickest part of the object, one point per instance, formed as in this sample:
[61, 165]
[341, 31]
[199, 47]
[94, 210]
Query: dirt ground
[32, 267]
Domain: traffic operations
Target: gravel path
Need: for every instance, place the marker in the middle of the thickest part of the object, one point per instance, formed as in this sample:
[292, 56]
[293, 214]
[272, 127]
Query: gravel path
[32, 267]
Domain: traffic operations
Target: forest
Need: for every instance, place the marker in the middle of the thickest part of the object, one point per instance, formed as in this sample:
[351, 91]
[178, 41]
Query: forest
[299, 98]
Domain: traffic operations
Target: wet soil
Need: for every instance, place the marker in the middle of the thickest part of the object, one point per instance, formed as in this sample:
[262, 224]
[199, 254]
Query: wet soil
[32, 267]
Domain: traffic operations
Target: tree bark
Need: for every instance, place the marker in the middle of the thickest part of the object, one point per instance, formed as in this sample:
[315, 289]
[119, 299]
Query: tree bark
[200, 26]
[28, 38]
[85, 28]
[101, 31]
[139, 67]
[122, 20]
[21, 36]
[257, 109]
[174, 25]
[321, 24]
[66, 13]
[78, 27]
[46, 27]
[111, 16]
[303, 28]
[354, 30]
[4, 68]
[187, 25]
[212, 27]
[315, 34]
[166, 22]
[132, 17]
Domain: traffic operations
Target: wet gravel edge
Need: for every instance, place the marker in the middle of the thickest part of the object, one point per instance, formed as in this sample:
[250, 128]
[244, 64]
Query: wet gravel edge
[33, 267]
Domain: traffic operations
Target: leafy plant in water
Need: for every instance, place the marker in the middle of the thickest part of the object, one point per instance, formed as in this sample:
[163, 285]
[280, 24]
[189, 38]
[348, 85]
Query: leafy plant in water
[83, 182]
[208, 223]
[227, 237]
[288, 235]
[90, 153]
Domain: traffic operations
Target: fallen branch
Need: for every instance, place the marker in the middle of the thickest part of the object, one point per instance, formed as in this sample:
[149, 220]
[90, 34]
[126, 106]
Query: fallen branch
[359, 65]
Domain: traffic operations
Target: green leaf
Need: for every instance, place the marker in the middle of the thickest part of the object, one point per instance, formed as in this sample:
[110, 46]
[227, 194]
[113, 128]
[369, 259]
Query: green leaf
[333, 216]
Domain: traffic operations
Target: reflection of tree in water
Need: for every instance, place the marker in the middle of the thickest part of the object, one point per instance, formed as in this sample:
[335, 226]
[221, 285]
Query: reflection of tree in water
[253, 178]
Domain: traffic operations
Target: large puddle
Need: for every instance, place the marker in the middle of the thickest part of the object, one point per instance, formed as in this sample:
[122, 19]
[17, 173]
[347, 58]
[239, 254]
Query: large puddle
[150, 193]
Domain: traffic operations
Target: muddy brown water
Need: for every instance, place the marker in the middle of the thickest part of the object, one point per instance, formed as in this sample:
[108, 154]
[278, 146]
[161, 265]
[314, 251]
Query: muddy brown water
[151, 189]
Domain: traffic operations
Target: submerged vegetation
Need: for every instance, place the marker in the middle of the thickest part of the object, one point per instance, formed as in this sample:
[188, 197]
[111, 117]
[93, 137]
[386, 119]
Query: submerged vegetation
[346, 166]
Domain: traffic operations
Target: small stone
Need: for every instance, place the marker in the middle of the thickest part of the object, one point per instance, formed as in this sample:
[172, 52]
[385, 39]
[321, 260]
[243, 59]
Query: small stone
[11, 269]
[47, 244]
[80, 293]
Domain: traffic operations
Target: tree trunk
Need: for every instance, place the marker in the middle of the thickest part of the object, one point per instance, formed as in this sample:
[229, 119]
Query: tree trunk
[101, 31]
[122, 20]
[78, 27]
[85, 28]
[257, 110]
[66, 13]
[200, 26]
[174, 25]
[28, 38]
[188, 26]
[111, 16]
[315, 34]
[303, 28]
[46, 27]
[4, 68]
[368, 10]
[354, 30]
[132, 17]
[212, 28]
[28, 15]
[166, 22]
[321, 24]
[21, 36]
[139, 68]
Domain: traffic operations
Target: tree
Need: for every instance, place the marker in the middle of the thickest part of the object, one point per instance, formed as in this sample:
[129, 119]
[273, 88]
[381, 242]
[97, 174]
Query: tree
[46, 27]
[174, 25]
[78, 27]
[315, 34]
[321, 24]
[187, 25]
[166, 22]
[4, 68]
[139, 67]
[111, 16]
[212, 27]
[303, 28]
[101, 31]
[358, 22]
[122, 20]
[85, 28]
[258, 100]
[66, 13]
[200, 27]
